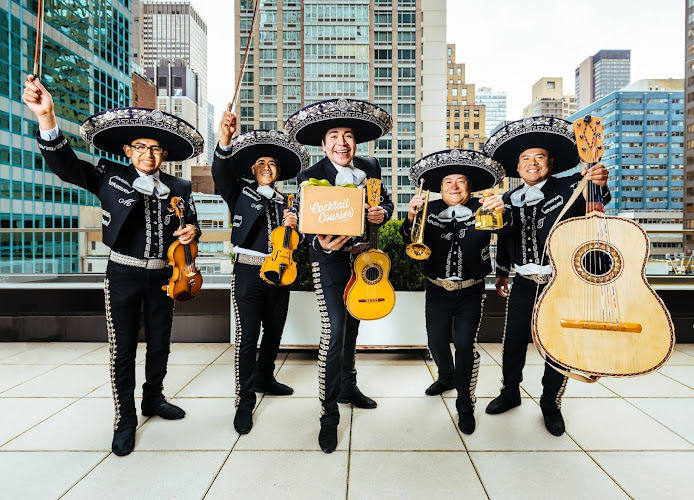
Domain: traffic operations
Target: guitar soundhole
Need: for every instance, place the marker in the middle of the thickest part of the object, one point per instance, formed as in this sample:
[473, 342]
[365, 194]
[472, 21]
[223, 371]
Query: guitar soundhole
[372, 274]
[597, 262]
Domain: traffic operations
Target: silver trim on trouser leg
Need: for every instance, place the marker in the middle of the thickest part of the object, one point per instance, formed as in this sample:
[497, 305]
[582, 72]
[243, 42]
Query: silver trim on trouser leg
[503, 343]
[237, 341]
[113, 350]
[476, 357]
[560, 394]
[324, 335]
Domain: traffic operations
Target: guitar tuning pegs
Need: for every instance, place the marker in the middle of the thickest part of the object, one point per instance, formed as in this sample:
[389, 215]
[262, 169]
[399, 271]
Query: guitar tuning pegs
[583, 149]
[582, 136]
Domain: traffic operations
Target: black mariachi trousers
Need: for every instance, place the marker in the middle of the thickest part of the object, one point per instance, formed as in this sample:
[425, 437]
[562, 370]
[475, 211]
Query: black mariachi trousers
[338, 341]
[463, 310]
[517, 334]
[256, 303]
[127, 290]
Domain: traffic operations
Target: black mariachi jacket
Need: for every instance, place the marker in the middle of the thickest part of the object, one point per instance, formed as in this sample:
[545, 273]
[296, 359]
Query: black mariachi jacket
[324, 169]
[112, 184]
[457, 248]
[524, 241]
[246, 205]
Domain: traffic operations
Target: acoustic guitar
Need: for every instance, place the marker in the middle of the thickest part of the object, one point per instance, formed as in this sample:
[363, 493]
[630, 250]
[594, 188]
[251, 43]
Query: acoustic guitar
[369, 294]
[598, 315]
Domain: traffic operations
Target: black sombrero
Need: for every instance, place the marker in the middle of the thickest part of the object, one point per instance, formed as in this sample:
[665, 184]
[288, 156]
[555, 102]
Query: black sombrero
[480, 169]
[112, 129]
[246, 148]
[309, 125]
[547, 132]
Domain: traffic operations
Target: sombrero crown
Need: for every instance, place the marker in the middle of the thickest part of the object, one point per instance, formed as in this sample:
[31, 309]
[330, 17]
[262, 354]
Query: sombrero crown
[546, 132]
[112, 129]
[480, 169]
[246, 148]
[309, 125]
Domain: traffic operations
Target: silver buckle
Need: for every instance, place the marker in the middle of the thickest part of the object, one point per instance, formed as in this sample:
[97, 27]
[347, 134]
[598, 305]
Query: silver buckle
[448, 285]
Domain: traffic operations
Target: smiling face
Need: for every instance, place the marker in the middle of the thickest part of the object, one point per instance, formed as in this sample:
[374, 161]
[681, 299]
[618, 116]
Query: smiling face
[535, 165]
[266, 171]
[340, 145]
[146, 161]
[455, 189]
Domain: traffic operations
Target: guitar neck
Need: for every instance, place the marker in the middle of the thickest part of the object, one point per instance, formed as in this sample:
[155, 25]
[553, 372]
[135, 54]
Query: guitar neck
[373, 236]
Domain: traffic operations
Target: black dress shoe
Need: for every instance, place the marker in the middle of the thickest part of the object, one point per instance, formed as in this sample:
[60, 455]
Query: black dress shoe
[437, 388]
[554, 421]
[358, 399]
[327, 437]
[164, 409]
[466, 423]
[502, 404]
[243, 421]
[273, 387]
[123, 442]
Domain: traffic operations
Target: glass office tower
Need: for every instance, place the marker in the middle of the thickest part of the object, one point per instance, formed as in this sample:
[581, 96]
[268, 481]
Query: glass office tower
[86, 67]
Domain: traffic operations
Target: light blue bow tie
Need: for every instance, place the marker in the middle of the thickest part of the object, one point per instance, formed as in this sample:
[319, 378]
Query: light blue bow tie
[146, 184]
[457, 212]
[270, 193]
[350, 175]
[528, 195]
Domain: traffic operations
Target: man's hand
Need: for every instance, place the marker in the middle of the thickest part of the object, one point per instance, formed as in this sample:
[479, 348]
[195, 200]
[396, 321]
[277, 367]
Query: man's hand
[290, 219]
[375, 215]
[597, 173]
[40, 102]
[416, 202]
[227, 128]
[185, 236]
[493, 202]
[332, 243]
[502, 287]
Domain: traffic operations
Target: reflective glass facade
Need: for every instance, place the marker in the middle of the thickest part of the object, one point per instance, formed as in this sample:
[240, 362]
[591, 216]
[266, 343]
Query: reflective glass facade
[644, 148]
[86, 68]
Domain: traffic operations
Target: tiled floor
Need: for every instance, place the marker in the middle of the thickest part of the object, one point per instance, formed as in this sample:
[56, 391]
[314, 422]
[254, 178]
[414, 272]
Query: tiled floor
[626, 438]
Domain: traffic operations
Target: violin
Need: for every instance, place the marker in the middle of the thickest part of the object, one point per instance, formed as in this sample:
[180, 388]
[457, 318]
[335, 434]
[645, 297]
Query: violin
[186, 280]
[279, 267]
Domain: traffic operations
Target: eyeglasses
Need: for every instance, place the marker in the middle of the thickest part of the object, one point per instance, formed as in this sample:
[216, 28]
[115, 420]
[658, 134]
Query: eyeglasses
[142, 148]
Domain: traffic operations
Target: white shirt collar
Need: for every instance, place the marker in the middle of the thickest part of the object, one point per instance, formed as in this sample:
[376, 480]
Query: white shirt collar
[538, 185]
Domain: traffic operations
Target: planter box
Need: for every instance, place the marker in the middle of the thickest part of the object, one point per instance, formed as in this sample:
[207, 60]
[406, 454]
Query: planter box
[404, 327]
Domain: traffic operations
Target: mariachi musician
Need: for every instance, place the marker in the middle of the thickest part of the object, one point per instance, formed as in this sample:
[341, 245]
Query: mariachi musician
[245, 170]
[139, 225]
[338, 125]
[534, 149]
[456, 267]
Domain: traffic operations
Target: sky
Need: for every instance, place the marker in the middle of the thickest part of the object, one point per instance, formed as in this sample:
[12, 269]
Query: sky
[510, 44]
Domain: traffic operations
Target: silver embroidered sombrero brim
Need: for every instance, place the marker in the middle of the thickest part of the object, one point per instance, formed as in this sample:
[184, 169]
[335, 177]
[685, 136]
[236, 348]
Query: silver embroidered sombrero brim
[480, 169]
[309, 125]
[246, 148]
[112, 129]
[546, 132]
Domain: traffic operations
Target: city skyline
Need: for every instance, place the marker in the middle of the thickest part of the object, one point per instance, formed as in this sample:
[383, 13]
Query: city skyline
[504, 57]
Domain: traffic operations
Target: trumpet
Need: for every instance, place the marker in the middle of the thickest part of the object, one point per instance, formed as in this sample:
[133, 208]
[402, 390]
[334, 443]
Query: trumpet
[417, 249]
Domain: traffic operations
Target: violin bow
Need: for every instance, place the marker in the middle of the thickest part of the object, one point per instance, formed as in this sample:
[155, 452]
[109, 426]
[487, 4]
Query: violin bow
[256, 8]
[38, 46]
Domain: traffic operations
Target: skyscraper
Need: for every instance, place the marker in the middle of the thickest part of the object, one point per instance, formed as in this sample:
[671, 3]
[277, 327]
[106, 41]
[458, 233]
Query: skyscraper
[644, 152]
[602, 73]
[174, 35]
[385, 52]
[689, 127]
[85, 71]
[548, 99]
[465, 120]
[494, 107]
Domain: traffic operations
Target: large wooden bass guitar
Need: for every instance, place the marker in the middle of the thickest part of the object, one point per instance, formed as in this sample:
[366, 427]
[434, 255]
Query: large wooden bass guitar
[369, 294]
[598, 316]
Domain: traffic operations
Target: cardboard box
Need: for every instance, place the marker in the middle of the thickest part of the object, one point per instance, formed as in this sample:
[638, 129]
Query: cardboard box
[331, 210]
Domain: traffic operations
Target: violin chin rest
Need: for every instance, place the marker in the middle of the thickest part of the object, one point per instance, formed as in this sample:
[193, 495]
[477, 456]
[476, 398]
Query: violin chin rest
[273, 277]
